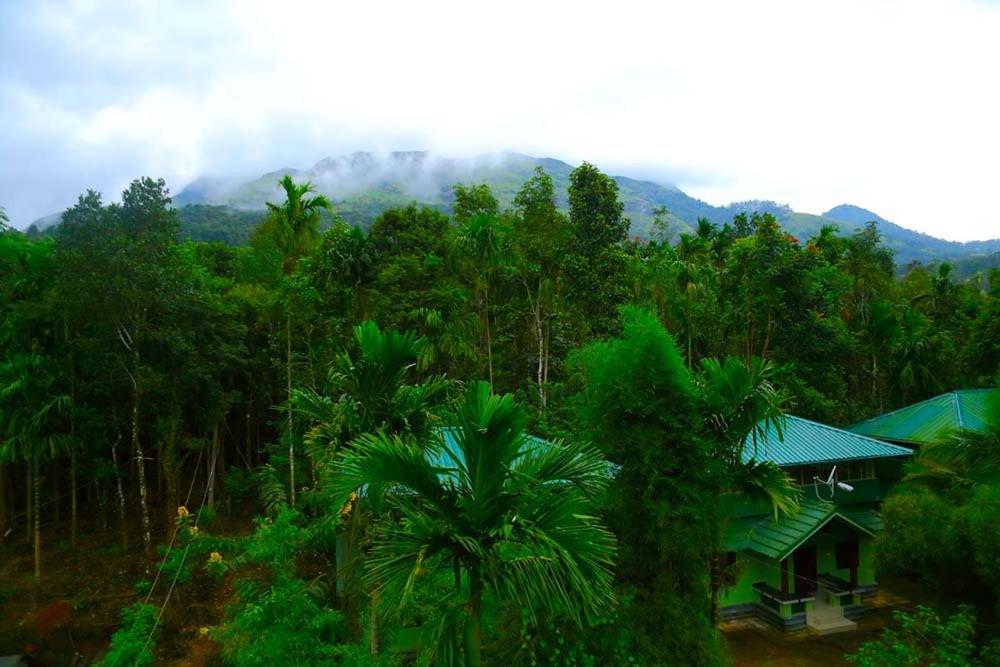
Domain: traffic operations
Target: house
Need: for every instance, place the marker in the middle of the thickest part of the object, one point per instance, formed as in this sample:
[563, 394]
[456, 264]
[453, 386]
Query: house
[928, 421]
[816, 568]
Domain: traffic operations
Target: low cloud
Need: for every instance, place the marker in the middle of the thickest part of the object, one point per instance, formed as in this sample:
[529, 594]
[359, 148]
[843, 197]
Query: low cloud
[888, 105]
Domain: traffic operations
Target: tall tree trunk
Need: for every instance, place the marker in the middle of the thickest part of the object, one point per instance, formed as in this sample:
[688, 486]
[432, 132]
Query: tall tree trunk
[373, 623]
[489, 336]
[170, 473]
[291, 439]
[535, 303]
[140, 462]
[56, 505]
[212, 461]
[72, 442]
[473, 626]
[5, 508]
[123, 527]
[28, 503]
[72, 503]
[38, 522]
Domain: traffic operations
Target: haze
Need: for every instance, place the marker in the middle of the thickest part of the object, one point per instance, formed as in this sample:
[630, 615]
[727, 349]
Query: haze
[890, 106]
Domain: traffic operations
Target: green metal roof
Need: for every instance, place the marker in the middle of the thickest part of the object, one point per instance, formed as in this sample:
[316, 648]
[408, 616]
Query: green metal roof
[806, 442]
[930, 420]
[778, 539]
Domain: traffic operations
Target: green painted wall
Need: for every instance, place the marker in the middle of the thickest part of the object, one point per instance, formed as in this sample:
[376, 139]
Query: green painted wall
[752, 569]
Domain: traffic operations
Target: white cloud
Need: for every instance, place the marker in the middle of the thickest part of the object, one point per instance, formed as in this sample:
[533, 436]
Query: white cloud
[889, 105]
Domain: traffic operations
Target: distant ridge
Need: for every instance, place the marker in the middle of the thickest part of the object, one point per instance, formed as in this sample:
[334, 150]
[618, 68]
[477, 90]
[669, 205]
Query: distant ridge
[363, 185]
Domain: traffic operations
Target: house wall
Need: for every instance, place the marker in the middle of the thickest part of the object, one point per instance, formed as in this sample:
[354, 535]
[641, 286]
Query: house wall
[826, 554]
[751, 570]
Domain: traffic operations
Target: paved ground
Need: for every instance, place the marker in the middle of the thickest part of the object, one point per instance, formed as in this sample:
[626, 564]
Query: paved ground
[754, 643]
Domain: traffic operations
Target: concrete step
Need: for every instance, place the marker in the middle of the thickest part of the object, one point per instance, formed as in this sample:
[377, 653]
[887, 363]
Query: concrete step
[827, 623]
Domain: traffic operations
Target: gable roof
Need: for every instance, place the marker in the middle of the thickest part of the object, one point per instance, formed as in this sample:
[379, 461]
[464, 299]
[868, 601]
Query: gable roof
[807, 442]
[778, 539]
[930, 420]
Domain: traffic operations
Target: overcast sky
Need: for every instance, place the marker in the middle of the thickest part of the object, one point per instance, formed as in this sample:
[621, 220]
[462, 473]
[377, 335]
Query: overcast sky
[893, 106]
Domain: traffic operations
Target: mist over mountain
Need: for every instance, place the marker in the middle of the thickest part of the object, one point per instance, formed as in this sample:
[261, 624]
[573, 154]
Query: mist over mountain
[363, 185]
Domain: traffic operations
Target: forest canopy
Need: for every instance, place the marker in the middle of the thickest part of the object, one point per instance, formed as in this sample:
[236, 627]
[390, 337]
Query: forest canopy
[496, 436]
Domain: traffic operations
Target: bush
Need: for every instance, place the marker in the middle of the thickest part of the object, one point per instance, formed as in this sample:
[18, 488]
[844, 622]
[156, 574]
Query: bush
[133, 644]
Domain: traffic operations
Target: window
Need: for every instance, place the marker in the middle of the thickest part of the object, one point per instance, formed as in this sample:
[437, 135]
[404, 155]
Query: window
[859, 470]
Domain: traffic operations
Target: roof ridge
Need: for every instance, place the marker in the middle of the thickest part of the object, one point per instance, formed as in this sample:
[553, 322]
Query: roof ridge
[958, 409]
[900, 409]
[846, 432]
[953, 392]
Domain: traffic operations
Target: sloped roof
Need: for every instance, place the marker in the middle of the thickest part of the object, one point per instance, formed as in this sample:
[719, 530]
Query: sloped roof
[807, 442]
[449, 453]
[778, 539]
[930, 420]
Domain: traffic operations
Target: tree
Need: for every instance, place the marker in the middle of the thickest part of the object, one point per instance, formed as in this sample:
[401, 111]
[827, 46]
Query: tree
[638, 403]
[539, 236]
[374, 389]
[31, 424]
[293, 227]
[481, 242]
[742, 406]
[502, 513]
[596, 260]
[120, 280]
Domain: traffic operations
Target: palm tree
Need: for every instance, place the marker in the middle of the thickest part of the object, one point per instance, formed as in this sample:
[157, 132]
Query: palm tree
[742, 407]
[498, 510]
[29, 425]
[294, 228]
[374, 390]
[482, 239]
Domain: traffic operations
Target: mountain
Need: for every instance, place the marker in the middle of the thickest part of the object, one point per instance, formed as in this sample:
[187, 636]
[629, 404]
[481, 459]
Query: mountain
[363, 185]
[922, 247]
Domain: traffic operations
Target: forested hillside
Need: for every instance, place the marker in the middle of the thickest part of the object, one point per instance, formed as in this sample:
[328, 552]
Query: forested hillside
[362, 186]
[492, 429]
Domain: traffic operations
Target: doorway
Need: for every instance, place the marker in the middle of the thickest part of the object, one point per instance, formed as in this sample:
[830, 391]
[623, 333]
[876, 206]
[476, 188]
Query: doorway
[804, 563]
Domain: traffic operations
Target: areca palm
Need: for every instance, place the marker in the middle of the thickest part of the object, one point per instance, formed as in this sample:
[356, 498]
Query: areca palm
[743, 407]
[373, 389]
[294, 228]
[483, 242]
[29, 424]
[493, 506]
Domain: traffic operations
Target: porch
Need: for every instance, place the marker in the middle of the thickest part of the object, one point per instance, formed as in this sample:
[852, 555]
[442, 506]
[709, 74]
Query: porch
[815, 570]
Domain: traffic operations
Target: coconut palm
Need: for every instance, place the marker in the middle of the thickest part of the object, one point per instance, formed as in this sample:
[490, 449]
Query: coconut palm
[294, 228]
[498, 509]
[742, 407]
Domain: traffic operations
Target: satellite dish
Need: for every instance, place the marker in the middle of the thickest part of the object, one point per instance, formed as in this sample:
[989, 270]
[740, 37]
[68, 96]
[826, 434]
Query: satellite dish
[831, 483]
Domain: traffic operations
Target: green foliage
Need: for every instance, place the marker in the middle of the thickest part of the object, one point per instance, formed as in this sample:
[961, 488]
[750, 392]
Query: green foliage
[923, 638]
[638, 403]
[133, 645]
[278, 624]
[500, 512]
